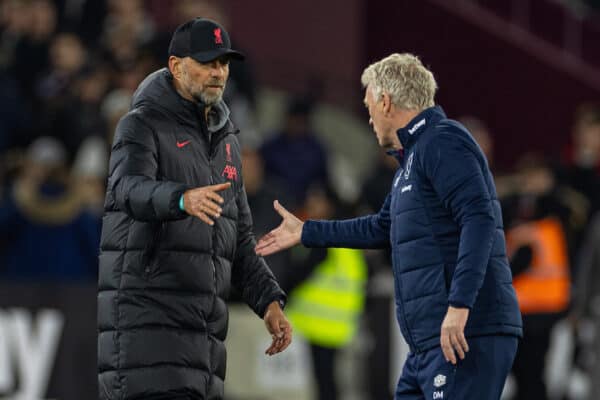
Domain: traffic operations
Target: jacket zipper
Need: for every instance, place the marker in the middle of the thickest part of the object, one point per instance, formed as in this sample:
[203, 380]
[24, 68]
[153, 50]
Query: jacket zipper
[212, 146]
[409, 338]
[204, 128]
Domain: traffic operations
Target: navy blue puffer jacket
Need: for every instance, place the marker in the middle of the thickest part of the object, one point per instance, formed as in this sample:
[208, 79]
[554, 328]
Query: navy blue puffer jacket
[443, 222]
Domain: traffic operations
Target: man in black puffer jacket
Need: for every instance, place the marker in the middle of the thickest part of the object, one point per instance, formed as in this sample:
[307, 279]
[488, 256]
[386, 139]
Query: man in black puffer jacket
[177, 233]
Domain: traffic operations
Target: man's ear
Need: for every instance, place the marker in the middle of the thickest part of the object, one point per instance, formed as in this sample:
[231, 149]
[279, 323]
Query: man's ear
[386, 102]
[175, 65]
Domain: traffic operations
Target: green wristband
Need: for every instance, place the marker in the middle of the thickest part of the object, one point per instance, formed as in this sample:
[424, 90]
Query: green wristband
[181, 205]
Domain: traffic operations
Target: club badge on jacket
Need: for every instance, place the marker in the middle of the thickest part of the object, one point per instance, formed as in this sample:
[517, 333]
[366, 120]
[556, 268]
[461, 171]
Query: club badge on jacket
[230, 171]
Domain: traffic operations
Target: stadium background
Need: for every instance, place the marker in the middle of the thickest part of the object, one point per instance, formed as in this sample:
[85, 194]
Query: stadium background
[524, 75]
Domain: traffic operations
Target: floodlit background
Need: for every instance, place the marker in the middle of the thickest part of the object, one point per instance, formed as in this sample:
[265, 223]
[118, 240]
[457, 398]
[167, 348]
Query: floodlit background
[522, 75]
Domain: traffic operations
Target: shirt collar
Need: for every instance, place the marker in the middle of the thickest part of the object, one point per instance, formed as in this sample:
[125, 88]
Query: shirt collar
[428, 117]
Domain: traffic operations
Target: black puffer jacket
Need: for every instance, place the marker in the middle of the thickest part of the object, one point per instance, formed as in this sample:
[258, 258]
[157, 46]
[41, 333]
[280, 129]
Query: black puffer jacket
[164, 275]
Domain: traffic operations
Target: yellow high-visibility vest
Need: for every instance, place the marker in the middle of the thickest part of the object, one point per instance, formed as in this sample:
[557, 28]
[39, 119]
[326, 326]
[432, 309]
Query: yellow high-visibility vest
[326, 308]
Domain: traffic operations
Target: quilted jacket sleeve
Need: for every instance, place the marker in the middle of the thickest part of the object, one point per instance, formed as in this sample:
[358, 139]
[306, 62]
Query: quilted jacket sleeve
[368, 232]
[457, 176]
[251, 275]
[133, 183]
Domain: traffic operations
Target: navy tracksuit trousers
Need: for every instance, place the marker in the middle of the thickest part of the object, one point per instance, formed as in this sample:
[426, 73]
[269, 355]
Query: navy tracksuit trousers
[480, 376]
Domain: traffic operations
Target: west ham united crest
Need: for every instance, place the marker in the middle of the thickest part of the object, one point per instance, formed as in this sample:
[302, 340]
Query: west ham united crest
[439, 380]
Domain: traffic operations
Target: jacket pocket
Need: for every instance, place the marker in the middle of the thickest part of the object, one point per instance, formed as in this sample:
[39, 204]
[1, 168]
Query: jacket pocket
[151, 251]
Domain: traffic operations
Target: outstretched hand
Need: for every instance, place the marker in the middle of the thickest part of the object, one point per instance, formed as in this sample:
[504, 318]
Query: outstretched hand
[286, 235]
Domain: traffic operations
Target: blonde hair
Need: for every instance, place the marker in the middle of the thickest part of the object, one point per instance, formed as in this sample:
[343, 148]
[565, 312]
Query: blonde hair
[410, 85]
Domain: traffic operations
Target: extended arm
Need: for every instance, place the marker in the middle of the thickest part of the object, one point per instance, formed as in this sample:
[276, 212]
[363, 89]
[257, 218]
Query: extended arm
[371, 231]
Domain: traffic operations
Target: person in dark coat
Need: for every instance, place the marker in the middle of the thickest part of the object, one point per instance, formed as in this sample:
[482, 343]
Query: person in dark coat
[455, 303]
[177, 233]
[294, 155]
[48, 233]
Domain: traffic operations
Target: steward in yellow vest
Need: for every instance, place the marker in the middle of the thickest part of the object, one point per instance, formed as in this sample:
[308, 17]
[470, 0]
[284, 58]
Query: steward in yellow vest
[325, 309]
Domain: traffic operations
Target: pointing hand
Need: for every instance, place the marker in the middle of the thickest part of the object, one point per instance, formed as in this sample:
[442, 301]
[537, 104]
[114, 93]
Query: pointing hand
[204, 202]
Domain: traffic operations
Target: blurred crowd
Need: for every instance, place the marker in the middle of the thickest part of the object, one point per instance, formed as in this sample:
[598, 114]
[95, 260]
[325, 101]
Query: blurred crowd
[68, 70]
[550, 211]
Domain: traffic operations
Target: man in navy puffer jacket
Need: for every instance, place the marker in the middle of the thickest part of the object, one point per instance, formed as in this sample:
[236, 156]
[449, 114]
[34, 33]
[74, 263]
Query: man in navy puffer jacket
[455, 302]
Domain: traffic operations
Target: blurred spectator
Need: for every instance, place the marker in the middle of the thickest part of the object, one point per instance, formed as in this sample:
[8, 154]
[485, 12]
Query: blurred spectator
[327, 293]
[129, 76]
[538, 248]
[481, 134]
[84, 100]
[485, 140]
[582, 169]
[377, 185]
[535, 191]
[374, 191]
[128, 38]
[129, 16]
[15, 123]
[586, 306]
[114, 106]
[261, 192]
[211, 9]
[121, 47]
[67, 58]
[90, 172]
[31, 52]
[86, 17]
[46, 233]
[14, 21]
[294, 155]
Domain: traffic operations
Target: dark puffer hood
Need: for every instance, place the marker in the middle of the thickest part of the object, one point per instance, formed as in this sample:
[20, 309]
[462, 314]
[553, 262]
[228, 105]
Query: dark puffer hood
[157, 91]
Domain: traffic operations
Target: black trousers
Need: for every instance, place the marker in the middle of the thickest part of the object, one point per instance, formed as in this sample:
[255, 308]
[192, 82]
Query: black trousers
[323, 360]
[528, 368]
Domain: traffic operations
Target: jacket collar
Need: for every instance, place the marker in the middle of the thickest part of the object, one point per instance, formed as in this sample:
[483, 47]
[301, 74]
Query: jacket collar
[397, 154]
[419, 124]
[157, 91]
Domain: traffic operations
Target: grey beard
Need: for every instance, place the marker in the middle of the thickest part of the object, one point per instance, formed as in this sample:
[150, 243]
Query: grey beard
[208, 100]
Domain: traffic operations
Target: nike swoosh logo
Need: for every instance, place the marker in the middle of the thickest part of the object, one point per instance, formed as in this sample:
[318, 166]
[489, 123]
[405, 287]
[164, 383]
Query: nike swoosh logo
[182, 144]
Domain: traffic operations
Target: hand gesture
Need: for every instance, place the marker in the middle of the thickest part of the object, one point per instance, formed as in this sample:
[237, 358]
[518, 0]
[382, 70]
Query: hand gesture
[204, 202]
[286, 235]
[452, 338]
[279, 328]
